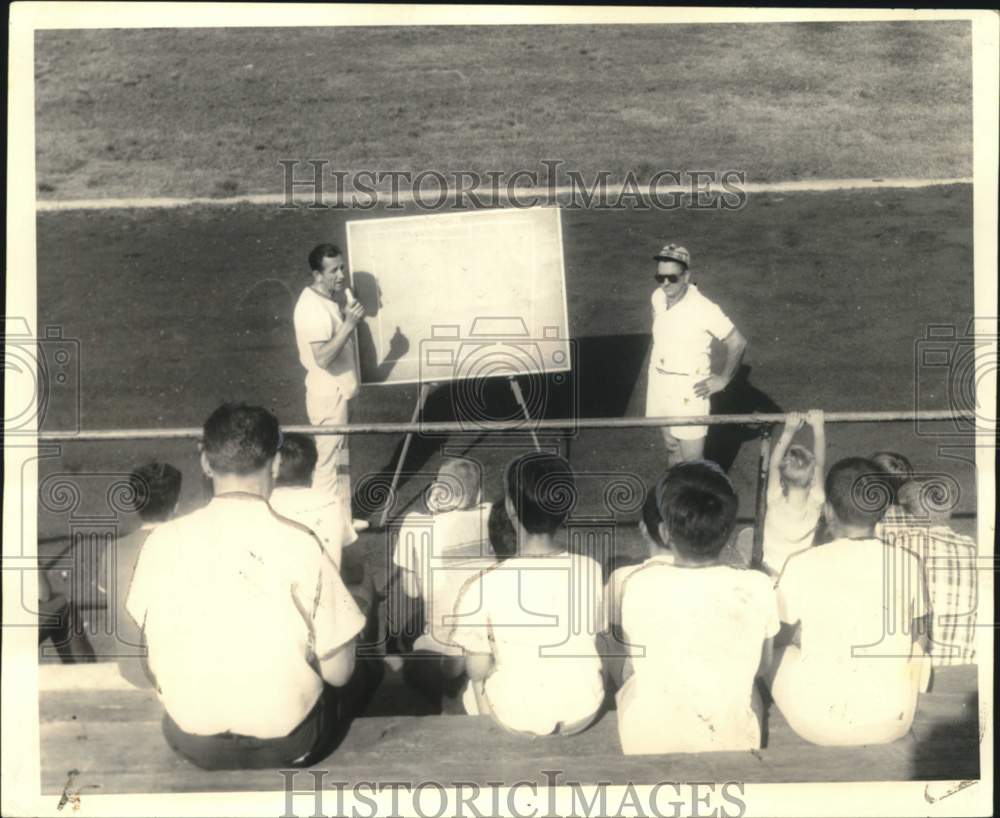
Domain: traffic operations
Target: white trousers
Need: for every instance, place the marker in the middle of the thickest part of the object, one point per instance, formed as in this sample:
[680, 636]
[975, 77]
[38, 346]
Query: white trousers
[333, 465]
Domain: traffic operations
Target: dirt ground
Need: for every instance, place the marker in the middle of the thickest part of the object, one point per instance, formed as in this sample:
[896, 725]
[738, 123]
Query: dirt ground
[175, 311]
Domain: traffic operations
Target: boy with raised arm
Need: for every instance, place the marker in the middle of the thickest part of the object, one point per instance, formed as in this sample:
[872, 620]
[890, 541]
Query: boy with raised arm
[794, 491]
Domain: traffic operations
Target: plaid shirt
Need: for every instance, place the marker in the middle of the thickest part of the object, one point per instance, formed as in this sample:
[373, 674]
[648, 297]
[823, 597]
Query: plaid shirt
[949, 561]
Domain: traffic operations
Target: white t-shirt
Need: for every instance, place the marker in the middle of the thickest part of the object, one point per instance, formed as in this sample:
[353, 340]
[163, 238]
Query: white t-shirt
[682, 335]
[789, 529]
[856, 600]
[237, 603]
[539, 617]
[701, 632]
[317, 319]
[444, 551]
[616, 586]
[319, 513]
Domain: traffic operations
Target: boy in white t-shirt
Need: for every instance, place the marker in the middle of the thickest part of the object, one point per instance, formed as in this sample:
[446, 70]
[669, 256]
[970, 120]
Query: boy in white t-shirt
[437, 553]
[854, 676]
[295, 498]
[698, 631]
[529, 624]
[794, 492]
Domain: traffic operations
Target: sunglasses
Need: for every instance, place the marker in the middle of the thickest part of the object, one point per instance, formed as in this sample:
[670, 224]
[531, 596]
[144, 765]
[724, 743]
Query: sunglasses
[673, 278]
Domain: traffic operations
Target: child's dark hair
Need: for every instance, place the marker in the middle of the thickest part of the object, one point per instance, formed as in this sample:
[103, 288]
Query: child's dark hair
[698, 505]
[542, 489]
[897, 469]
[857, 491]
[156, 488]
[298, 460]
[240, 439]
[503, 537]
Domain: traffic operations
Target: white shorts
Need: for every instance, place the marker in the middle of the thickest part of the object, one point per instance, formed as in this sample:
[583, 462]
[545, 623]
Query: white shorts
[668, 395]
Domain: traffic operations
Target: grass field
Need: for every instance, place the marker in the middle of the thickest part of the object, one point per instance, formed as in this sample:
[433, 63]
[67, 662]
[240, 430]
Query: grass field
[162, 112]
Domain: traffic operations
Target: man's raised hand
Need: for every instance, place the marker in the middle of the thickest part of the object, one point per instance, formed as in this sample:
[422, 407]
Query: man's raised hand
[354, 313]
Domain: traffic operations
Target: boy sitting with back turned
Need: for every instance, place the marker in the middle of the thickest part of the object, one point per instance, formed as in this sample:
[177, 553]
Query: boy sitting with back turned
[855, 676]
[699, 631]
[529, 624]
[437, 553]
[295, 499]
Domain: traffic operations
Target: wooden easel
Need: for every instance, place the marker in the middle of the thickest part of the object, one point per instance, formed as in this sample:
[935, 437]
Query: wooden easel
[425, 389]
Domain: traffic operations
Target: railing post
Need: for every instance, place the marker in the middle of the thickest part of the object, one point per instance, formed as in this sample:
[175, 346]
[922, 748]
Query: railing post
[764, 463]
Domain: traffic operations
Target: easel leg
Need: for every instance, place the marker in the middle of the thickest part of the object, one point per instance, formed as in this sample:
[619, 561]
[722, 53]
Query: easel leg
[425, 389]
[757, 555]
[515, 387]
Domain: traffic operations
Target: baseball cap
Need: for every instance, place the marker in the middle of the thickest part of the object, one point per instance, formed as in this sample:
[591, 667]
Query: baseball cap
[671, 252]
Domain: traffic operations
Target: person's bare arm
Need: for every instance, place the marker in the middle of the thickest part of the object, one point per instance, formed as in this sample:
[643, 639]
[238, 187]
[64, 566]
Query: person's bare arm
[135, 669]
[815, 418]
[336, 669]
[793, 422]
[766, 657]
[478, 665]
[326, 352]
[411, 587]
[735, 345]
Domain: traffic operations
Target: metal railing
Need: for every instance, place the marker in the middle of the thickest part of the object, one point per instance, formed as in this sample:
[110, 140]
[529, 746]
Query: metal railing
[764, 422]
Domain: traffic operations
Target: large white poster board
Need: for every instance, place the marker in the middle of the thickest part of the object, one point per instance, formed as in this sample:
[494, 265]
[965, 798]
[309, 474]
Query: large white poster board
[460, 295]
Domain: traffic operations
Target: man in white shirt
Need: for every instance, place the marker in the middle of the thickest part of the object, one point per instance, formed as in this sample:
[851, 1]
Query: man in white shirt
[855, 674]
[680, 378]
[325, 318]
[245, 616]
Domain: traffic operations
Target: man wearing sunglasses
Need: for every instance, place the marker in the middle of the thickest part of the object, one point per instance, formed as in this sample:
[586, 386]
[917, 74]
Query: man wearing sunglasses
[680, 375]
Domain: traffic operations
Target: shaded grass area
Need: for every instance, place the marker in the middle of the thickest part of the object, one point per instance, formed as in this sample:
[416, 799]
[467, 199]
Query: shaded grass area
[176, 311]
[162, 112]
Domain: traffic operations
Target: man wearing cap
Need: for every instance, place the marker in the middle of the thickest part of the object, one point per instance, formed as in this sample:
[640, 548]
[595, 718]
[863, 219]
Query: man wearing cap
[680, 376]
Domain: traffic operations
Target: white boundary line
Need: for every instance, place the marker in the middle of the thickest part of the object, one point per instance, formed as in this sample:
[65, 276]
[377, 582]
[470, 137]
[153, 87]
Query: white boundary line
[490, 194]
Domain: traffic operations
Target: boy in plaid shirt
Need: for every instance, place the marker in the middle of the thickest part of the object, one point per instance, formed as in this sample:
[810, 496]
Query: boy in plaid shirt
[949, 561]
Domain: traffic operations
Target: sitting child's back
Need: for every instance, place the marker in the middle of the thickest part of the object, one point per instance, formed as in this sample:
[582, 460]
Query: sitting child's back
[440, 551]
[855, 677]
[696, 629]
[529, 624]
[294, 498]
